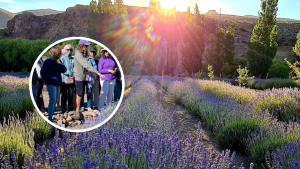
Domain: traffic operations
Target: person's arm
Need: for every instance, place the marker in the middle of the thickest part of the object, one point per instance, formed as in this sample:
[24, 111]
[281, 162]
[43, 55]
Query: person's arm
[45, 69]
[61, 66]
[84, 63]
[64, 62]
[100, 67]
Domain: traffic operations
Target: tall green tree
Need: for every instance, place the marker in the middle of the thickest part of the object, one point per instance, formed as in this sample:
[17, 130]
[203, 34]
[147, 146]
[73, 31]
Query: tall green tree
[188, 20]
[229, 46]
[263, 43]
[198, 19]
[296, 49]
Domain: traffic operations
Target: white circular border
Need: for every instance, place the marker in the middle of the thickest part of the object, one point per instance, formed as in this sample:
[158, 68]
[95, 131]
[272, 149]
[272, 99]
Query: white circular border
[91, 128]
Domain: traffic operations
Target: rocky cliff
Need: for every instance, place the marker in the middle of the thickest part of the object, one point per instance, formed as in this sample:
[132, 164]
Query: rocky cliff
[53, 27]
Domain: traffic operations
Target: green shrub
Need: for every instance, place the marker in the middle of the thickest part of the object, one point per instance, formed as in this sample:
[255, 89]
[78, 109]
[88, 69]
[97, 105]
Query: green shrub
[232, 135]
[263, 84]
[226, 70]
[252, 83]
[243, 76]
[210, 73]
[14, 138]
[238, 61]
[198, 75]
[279, 69]
[185, 74]
[23, 54]
[42, 129]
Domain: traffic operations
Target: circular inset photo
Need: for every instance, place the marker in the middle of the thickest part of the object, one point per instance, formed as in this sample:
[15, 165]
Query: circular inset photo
[77, 84]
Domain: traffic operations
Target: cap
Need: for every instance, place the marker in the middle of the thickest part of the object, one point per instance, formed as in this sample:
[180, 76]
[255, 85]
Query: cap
[62, 47]
[85, 42]
[92, 49]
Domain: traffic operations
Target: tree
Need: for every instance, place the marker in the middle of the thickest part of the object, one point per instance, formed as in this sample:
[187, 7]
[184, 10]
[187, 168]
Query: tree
[296, 49]
[188, 20]
[229, 47]
[295, 69]
[243, 78]
[263, 43]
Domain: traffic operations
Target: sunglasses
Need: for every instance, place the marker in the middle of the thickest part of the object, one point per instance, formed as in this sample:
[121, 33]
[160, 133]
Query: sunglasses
[69, 49]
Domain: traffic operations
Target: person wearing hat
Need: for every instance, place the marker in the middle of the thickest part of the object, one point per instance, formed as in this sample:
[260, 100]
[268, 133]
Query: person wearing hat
[91, 80]
[107, 66]
[81, 68]
[67, 89]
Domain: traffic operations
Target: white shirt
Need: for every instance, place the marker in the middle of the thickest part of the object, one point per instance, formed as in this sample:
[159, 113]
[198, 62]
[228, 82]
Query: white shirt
[38, 68]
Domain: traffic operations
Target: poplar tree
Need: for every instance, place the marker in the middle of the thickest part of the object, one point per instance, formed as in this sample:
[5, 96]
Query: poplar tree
[296, 49]
[263, 43]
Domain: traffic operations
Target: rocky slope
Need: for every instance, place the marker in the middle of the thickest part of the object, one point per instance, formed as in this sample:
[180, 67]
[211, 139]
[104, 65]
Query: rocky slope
[4, 17]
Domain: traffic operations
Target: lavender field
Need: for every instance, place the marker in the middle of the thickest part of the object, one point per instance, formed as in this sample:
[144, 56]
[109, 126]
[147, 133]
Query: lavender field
[146, 132]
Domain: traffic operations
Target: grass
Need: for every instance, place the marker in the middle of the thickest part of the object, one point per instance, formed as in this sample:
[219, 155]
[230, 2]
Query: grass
[284, 52]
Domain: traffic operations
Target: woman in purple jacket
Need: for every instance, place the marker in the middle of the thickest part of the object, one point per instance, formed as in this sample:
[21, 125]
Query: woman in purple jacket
[106, 66]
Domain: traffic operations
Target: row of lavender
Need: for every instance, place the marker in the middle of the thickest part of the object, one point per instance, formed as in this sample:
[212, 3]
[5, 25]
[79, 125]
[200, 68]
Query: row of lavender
[19, 126]
[138, 136]
[14, 96]
[242, 127]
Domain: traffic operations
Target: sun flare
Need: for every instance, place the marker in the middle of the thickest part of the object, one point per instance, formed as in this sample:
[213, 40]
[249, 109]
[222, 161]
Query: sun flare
[168, 4]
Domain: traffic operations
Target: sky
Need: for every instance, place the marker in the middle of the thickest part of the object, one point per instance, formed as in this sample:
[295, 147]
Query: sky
[286, 8]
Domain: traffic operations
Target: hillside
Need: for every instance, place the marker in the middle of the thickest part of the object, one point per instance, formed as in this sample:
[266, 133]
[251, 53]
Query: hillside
[4, 17]
[246, 18]
[41, 12]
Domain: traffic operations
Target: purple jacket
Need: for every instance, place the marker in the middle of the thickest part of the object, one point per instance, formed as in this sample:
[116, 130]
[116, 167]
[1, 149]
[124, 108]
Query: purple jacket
[106, 64]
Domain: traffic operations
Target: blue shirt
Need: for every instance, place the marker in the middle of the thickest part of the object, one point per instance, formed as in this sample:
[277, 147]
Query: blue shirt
[52, 69]
[92, 62]
[68, 62]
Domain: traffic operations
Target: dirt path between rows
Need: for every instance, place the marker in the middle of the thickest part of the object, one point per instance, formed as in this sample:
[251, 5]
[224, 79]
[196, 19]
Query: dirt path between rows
[188, 123]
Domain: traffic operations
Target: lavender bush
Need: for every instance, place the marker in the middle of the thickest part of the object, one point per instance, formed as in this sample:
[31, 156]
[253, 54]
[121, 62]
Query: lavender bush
[41, 128]
[130, 80]
[14, 137]
[12, 82]
[15, 102]
[283, 103]
[287, 156]
[239, 94]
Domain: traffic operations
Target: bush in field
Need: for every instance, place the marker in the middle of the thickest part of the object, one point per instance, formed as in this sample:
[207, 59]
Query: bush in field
[279, 69]
[287, 156]
[185, 74]
[41, 128]
[198, 75]
[282, 103]
[21, 57]
[14, 137]
[210, 73]
[263, 84]
[243, 76]
[239, 61]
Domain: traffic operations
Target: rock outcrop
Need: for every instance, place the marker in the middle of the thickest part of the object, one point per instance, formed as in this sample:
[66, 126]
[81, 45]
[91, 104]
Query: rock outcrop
[52, 27]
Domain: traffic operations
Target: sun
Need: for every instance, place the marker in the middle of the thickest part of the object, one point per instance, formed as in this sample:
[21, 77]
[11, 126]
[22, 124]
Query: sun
[168, 4]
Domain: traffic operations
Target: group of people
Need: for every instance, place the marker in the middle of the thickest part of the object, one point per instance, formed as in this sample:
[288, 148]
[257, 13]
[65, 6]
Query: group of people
[75, 76]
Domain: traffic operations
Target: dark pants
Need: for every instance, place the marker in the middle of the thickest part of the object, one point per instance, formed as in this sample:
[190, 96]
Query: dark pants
[67, 91]
[39, 92]
[117, 90]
